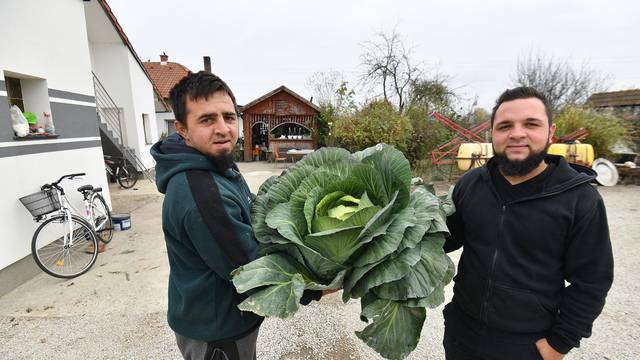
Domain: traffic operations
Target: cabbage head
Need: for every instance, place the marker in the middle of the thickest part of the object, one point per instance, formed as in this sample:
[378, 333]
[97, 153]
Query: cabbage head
[351, 221]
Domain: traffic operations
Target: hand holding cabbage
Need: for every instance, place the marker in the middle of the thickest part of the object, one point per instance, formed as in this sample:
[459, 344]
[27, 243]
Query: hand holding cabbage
[346, 220]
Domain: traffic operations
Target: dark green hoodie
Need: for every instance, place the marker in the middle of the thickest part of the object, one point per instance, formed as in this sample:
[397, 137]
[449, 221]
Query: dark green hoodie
[202, 299]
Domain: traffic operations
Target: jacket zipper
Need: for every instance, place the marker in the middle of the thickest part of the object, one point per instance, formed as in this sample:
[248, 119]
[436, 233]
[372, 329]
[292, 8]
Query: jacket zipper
[496, 252]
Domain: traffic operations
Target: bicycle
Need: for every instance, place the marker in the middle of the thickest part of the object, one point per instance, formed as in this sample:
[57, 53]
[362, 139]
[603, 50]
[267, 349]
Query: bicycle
[65, 245]
[118, 169]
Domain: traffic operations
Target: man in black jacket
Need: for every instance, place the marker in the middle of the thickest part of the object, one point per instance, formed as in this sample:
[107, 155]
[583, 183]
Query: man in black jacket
[528, 222]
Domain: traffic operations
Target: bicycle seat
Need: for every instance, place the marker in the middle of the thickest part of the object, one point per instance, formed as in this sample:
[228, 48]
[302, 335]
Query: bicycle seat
[84, 188]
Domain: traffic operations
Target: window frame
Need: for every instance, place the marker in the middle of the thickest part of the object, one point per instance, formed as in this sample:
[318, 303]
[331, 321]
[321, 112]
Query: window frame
[11, 89]
[146, 124]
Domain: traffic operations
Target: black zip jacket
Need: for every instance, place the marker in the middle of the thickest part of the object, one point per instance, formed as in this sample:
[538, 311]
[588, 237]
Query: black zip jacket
[517, 256]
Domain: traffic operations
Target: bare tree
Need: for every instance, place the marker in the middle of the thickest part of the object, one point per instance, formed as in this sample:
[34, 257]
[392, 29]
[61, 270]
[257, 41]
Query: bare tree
[387, 64]
[324, 86]
[560, 82]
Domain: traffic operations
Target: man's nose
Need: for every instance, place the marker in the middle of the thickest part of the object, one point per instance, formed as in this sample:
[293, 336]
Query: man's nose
[220, 126]
[517, 132]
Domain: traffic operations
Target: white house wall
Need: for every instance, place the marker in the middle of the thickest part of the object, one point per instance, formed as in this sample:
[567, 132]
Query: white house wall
[111, 66]
[32, 171]
[130, 89]
[123, 78]
[45, 40]
[143, 100]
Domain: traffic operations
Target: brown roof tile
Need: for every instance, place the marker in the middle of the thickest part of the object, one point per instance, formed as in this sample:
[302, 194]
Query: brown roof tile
[615, 98]
[165, 76]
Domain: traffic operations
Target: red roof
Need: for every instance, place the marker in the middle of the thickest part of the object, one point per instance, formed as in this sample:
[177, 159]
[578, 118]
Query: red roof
[165, 75]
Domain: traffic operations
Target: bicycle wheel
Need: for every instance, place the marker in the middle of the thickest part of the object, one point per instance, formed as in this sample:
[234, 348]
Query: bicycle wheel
[63, 247]
[127, 177]
[102, 219]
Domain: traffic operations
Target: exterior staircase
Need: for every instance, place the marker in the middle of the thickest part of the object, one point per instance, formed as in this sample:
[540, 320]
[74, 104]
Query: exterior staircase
[111, 124]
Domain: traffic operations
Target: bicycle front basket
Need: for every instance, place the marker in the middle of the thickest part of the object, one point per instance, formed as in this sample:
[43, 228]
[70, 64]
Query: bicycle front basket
[41, 203]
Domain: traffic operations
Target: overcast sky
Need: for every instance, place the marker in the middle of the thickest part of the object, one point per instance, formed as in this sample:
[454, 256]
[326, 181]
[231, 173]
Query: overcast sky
[256, 46]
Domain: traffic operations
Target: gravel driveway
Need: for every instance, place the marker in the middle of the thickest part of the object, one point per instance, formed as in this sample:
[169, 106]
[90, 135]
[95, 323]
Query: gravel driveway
[117, 310]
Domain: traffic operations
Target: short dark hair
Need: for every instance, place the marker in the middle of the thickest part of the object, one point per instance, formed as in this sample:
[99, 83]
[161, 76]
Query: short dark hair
[522, 92]
[196, 86]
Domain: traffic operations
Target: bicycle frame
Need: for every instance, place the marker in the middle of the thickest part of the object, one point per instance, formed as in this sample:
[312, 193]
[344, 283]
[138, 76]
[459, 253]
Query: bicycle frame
[68, 210]
[113, 167]
[109, 170]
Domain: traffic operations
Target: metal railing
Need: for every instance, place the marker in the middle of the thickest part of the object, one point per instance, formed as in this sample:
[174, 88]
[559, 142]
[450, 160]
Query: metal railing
[108, 112]
[111, 115]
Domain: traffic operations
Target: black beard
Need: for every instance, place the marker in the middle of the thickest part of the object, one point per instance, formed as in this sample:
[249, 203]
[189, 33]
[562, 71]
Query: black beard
[520, 167]
[222, 162]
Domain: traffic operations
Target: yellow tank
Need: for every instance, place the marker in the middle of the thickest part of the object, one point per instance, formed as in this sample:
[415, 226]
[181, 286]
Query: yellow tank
[574, 153]
[473, 155]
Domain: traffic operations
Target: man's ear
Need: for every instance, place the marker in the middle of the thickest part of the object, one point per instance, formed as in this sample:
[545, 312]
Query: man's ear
[181, 129]
[552, 130]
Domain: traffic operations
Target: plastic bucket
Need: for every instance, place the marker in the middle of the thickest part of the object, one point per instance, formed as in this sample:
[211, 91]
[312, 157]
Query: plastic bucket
[121, 222]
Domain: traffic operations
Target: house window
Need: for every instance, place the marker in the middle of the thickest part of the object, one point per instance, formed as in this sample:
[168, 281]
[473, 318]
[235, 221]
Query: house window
[147, 129]
[32, 109]
[14, 92]
[171, 127]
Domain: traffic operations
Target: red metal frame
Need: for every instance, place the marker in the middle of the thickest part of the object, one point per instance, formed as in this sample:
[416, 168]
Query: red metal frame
[579, 134]
[445, 153]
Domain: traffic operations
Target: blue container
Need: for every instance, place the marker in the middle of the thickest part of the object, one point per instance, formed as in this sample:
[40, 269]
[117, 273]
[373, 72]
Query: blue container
[121, 222]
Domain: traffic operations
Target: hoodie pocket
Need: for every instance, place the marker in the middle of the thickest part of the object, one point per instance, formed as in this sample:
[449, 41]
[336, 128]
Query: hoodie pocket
[468, 293]
[517, 310]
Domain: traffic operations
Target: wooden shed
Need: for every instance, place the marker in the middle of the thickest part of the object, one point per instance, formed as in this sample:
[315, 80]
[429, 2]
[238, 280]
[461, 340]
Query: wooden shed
[625, 104]
[281, 119]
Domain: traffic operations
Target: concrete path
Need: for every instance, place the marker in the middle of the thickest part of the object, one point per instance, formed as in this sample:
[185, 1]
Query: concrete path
[118, 309]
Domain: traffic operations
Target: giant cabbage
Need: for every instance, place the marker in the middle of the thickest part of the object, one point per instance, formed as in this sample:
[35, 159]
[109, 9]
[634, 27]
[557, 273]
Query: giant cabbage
[342, 220]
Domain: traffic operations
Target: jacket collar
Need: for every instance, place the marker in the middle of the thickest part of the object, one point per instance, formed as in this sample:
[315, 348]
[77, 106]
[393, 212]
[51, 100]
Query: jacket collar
[564, 177]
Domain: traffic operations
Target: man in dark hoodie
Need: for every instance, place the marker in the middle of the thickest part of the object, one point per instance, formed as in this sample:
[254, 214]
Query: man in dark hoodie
[206, 219]
[527, 222]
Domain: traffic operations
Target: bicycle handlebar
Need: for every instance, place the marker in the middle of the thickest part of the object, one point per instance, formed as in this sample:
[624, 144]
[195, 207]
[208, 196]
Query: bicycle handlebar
[55, 184]
[69, 176]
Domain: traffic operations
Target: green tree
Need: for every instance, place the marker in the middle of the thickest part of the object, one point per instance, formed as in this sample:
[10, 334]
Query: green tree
[479, 115]
[345, 100]
[427, 134]
[426, 96]
[605, 129]
[325, 121]
[433, 95]
[377, 122]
